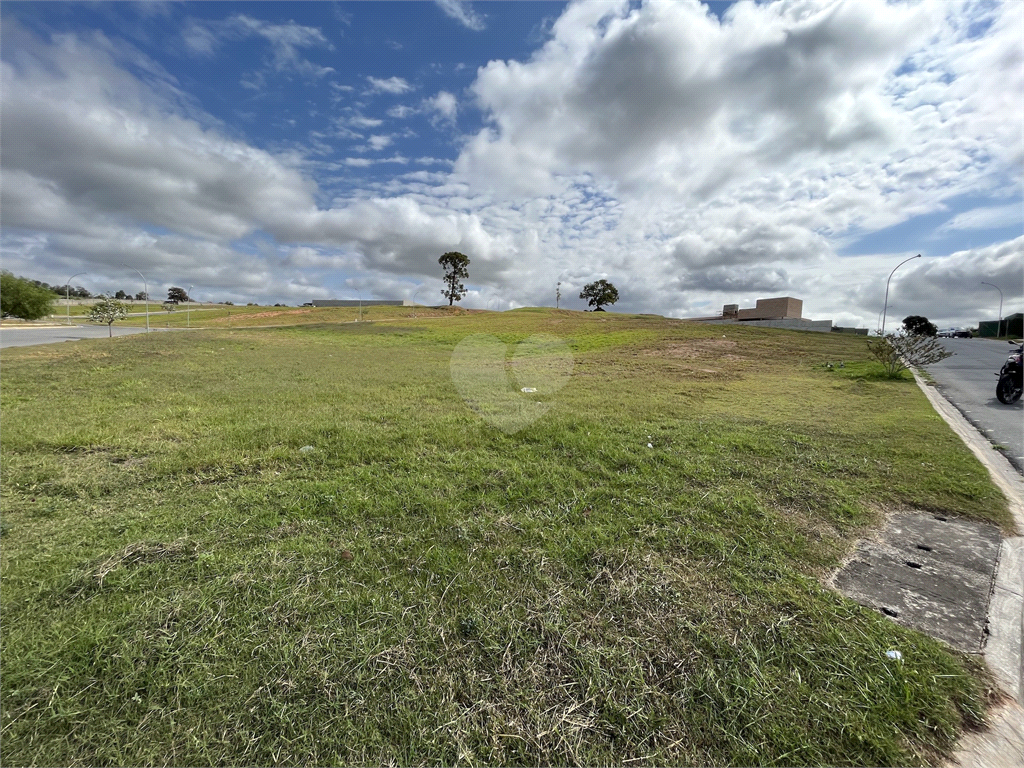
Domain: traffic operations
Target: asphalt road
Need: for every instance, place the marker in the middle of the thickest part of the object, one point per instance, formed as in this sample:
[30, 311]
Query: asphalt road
[26, 337]
[967, 381]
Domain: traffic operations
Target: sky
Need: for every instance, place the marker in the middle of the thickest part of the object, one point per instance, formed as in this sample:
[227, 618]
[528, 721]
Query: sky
[692, 154]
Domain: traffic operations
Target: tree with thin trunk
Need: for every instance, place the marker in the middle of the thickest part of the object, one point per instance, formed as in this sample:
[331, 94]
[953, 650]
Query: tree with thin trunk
[455, 271]
[108, 311]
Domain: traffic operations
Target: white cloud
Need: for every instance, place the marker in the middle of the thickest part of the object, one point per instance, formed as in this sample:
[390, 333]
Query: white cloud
[444, 105]
[691, 161]
[401, 111]
[361, 121]
[204, 37]
[390, 85]
[986, 218]
[463, 12]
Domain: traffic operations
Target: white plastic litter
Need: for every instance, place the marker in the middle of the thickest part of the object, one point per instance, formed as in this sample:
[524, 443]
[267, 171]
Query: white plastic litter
[306, 449]
[894, 655]
[650, 445]
[528, 390]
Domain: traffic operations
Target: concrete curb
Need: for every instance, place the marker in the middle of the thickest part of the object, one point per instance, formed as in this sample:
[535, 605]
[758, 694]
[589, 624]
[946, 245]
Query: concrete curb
[1005, 646]
[5, 327]
[1003, 649]
[1001, 744]
[1009, 480]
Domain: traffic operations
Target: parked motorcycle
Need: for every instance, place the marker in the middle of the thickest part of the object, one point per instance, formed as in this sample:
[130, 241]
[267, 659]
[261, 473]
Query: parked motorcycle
[1008, 389]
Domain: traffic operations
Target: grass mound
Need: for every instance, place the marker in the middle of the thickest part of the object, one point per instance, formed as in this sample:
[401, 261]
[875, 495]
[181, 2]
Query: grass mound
[302, 546]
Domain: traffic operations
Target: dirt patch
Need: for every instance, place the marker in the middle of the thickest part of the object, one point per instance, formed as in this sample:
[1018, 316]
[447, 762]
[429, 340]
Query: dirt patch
[276, 314]
[134, 554]
[700, 348]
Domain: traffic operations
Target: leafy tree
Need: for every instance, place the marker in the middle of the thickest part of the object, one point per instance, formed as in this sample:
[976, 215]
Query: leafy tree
[121, 295]
[599, 293]
[20, 297]
[142, 296]
[898, 351]
[177, 295]
[107, 311]
[455, 271]
[919, 326]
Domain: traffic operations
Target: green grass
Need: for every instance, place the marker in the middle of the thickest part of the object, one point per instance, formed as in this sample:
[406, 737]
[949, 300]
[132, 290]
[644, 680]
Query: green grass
[183, 584]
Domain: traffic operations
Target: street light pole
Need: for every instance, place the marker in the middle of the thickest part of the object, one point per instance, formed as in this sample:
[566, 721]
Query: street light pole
[885, 308]
[414, 301]
[999, 326]
[67, 294]
[145, 287]
[188, 308]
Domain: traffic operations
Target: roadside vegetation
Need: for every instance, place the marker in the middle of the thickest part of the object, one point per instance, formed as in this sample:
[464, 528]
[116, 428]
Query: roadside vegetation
[22, 298]
[299, 545]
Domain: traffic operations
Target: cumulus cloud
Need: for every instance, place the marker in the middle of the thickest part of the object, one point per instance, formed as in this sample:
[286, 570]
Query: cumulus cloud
[443, 105]
[693, 161]
[462, 11]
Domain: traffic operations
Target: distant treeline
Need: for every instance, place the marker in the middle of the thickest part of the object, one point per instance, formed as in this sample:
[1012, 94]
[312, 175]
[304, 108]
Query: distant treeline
[78, 292]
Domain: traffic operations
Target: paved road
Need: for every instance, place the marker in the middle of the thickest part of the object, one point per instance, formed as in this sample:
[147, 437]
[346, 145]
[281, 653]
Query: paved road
[27, 337]
[967, 381]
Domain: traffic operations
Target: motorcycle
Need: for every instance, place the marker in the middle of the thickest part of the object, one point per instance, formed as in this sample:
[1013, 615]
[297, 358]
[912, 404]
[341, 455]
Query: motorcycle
[1008, 390]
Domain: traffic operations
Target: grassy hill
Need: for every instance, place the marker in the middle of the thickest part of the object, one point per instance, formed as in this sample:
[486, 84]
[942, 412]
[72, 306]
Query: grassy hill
[301, 545]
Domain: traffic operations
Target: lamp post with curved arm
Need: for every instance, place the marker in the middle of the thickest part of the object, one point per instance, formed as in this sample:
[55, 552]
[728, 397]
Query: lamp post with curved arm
[67, 294]
[885, 307]
[145, 287]
[999, 327]
[414, 300]
[188, 307]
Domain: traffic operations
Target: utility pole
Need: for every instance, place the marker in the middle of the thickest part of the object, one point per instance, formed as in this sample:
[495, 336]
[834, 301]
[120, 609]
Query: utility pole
[558, 293]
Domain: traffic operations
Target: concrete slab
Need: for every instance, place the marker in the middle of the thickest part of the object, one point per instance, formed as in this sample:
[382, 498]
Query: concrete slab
[929, 573]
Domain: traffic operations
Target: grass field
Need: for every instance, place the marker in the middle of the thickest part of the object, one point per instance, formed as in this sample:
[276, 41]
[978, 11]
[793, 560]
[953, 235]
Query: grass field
[299, 545]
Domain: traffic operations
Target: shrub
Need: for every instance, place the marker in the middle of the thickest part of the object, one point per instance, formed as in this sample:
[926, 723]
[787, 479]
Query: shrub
[897, 352]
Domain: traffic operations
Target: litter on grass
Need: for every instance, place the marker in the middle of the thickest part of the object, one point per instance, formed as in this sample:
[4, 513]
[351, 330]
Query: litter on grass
[894, 655]
[528, 390]
[306, 449]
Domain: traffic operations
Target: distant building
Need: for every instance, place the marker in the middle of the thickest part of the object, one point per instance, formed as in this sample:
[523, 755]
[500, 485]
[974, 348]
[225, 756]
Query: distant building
[856, 331]
[1013, 325]
[784, 307]
[780, 312]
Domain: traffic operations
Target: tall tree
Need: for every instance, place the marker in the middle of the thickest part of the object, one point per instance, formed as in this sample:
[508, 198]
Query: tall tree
[107, 311]
[599, 293]
[456, 269]
[919, 326]
[20, 297]
[177, 295]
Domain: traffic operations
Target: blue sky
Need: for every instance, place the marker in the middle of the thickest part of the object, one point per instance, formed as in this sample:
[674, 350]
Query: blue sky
[694, 155]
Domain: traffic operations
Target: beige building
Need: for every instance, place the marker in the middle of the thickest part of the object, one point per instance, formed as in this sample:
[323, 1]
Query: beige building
[782, 308]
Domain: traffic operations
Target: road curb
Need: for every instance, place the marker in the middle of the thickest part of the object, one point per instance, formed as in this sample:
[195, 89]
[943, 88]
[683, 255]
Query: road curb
[1010, 482]
[1003, 649]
